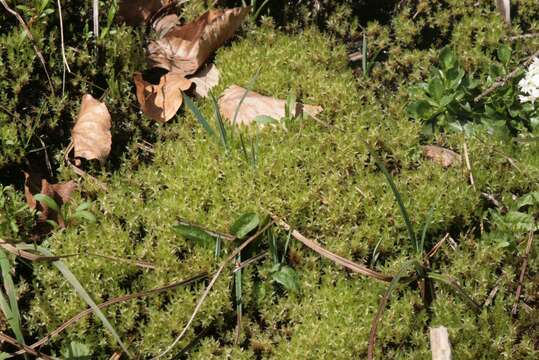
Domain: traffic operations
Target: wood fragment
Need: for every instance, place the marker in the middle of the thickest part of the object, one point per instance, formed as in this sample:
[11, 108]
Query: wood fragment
[24, 348]
[501, 81]
[522, 273]
[439, 343]
[468, 165]
[331, 256]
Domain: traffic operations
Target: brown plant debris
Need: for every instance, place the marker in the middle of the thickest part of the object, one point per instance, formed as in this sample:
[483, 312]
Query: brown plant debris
[91, 134]
[440, 155]
[254, 105]
[185, 48]
[134, 12]
[205, 79]
[161, 102]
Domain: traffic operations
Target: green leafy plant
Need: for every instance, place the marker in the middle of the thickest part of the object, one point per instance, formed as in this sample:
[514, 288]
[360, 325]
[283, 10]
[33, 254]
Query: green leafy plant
[447, 100]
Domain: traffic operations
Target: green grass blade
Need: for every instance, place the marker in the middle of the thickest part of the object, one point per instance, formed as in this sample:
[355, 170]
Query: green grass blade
[381, 307]
[428, 221]
[398, 197]
[446, 280]
[364, 54]
[79, 289]
[220, 123]
[198, 115]
[250, 86]
[13, 315]
[257, 13]
[47, 200]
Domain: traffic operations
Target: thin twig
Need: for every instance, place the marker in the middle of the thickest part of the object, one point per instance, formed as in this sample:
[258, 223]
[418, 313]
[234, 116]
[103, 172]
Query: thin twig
[523, 36]
[468, 165]
[437, 246]
[24, 348]
[522, 273]
[31, 37]
[64, 59]
[209, 287]
[113, 301]
[504, 79]
[333, 257]
[250, 261]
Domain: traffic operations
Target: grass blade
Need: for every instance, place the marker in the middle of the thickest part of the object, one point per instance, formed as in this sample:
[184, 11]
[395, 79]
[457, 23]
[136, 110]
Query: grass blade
[11, 310]
[79, 289]
[220, 124]
[196, 111]
[446, 280]
[381, 307]
[428, 221]
[402, 208]
[249, 87]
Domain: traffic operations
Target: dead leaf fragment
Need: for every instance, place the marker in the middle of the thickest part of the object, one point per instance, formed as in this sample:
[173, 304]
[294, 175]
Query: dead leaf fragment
[60, 193]
[504, 8]
[185, 48]
[161, 102]
[205, 79]
[255, 105]
[134, 12]
[91, 133]
[163, 25]
[440, 155]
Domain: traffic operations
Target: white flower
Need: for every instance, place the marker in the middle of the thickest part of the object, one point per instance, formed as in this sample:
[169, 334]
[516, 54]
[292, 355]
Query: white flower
[529, 84]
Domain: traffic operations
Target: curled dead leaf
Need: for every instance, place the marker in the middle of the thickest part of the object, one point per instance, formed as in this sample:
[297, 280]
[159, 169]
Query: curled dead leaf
[60, 193]
[163, 25]
[185, 48]
[91, 134]
[205, 79]
[255, 105]
[161, 102]
[440, 155]
[134, 12]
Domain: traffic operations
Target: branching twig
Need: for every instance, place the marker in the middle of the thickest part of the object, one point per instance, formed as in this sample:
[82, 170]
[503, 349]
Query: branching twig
[64, 59]
[504, 79]
[31, 37]
[209, 287]
[24, 348]
[113, 301]
[522, 273]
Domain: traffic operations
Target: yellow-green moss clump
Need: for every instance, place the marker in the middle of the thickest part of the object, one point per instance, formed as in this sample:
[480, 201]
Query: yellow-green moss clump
[323, 181]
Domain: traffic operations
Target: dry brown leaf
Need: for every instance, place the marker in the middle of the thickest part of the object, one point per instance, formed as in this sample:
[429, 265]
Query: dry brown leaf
[440, 155]
[91, 133]
[163, 25]
[161, 102]
[185, 48]
[134, 12]
[255, 105]
[61, 193]
[205, 79]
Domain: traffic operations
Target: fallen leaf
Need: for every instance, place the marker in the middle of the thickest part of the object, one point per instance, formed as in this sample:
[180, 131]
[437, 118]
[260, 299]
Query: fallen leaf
[161, 102]
[205, 79]
[60, 193]
[163, 25]
[256, 105]
[185, 48]
[134, 12]
[91, 133]
[440, 155]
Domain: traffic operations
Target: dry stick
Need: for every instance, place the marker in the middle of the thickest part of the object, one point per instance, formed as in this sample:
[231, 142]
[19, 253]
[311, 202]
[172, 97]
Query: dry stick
[504, 79]
[95, 9]
[113, 301]
[24, 348]
[65, 64]
[210, 285]
[31, 37]
[468, 165]
[437, 246]
[331, 256]
[522, 272]
[523, 36]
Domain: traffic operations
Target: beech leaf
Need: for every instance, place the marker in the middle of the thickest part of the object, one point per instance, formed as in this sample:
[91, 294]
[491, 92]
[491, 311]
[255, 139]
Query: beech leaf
[205, 79]
[163, 25]
[440, 155]
[185, 48]
[161, 102]
[256, 106]
[91, 133]
[46, 197]
[134, 12]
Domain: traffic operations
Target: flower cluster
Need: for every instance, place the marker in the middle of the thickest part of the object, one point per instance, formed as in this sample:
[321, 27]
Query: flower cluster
[529, 85]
